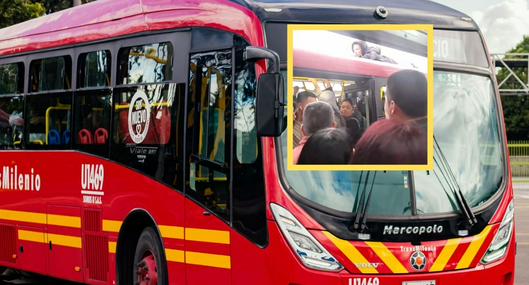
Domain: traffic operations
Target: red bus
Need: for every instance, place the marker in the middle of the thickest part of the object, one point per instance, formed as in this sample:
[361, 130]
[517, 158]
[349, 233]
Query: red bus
[140, 148]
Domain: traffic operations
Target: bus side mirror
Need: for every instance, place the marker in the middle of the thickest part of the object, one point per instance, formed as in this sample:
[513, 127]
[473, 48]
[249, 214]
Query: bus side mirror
[270, 105]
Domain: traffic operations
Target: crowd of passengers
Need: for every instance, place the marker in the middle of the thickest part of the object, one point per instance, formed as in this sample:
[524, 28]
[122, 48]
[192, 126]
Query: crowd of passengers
[327, 134]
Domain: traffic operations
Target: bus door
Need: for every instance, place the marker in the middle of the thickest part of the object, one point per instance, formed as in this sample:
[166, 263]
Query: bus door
[379, 88]
[207, 211]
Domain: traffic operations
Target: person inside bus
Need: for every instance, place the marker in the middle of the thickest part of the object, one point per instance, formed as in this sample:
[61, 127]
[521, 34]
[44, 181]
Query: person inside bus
[407, 97]
[391, 142]
[354, 121]
[327, 146]
[405, 109]
[316, 116]
[328, 96]
[302, 99]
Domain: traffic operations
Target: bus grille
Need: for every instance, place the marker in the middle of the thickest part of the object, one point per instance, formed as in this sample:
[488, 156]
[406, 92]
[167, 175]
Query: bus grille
[96, 246]
[8, 245]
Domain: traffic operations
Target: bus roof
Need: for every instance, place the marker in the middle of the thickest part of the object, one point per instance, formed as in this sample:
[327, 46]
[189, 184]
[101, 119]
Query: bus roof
[104, 19]
[360, 12]
[312, 64]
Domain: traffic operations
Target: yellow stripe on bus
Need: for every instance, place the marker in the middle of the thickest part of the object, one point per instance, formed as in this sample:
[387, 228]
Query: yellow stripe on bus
[175, 255]
[172, 232]
[387, 257]
[69, 241]
[351, 252]
[473, 249]
[40, 218]
[445, 255]
[55, 239]
[19, 216]
[32, 236]
[65, 221]
[203, 235]
[208, 259]
[112, 247]
[111, 226]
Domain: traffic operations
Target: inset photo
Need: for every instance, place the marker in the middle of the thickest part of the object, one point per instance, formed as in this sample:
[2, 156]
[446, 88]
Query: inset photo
[360, 97]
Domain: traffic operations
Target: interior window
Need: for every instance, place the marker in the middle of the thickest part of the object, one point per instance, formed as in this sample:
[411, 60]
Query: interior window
[93, 105]
[11, 121]
[150, 63]
[11, 78]
[50, 74]
[144, 112]
[49, 113]
[209, 116]
[94, 69]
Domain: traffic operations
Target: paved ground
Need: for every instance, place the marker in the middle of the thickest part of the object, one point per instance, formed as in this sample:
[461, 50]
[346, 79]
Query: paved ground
[521, 203]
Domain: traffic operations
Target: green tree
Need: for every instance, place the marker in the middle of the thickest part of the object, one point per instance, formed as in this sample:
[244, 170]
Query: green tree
[57, 5]
[16, 11]
[516, 107]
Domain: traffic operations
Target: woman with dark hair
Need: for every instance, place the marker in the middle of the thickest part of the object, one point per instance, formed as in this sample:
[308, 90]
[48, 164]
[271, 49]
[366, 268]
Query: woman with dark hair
[353, 124]
[327, 146]
[392, 142]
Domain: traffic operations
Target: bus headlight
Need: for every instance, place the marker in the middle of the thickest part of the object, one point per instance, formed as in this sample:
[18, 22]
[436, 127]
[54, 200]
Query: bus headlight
[306, 247]
[499, 245]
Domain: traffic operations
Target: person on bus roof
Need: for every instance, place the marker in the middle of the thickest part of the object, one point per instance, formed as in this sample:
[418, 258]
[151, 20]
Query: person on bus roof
[359, 48]
[317, 116]
[302, 99]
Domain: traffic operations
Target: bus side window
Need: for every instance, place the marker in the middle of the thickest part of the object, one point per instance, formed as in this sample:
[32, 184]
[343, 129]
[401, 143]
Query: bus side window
[209, 116]
[49, 104]
[11, 105]
[145, 103]
[93, 103]
[248, 192]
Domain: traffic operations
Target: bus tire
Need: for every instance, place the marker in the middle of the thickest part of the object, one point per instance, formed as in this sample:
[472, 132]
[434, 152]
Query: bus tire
[149, 265]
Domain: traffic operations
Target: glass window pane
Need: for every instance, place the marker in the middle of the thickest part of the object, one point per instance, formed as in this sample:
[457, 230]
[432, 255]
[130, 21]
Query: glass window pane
[94, 69]
[459, 47]
[244, 116]
[50, 74]
[11, 122]
[213, 70]
[145, 64]
[143, 137]
[143, 114]
[49, 119]
[92, 121]
[11, 78]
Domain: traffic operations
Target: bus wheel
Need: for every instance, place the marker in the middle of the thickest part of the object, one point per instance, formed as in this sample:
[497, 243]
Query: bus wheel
[149, 267]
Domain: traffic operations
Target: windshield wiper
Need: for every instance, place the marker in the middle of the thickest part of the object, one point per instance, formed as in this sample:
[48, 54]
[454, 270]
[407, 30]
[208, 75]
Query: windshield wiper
[446, 171]
[360, 222]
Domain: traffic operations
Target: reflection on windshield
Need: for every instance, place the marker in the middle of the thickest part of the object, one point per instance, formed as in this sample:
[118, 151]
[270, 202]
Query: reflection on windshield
[466, 128]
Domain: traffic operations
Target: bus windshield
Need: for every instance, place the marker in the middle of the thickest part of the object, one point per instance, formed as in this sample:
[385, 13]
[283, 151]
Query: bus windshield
[466, 128]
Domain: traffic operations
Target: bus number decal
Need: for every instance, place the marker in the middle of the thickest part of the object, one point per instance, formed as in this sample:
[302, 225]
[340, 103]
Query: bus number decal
[139, 116]
[92, 179]
[364, 281]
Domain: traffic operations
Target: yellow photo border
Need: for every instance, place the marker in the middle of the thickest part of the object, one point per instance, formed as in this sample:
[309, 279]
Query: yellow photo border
[348, 167]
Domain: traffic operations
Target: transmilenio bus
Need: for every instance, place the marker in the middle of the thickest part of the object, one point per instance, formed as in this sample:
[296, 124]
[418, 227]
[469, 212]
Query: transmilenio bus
[144, 143]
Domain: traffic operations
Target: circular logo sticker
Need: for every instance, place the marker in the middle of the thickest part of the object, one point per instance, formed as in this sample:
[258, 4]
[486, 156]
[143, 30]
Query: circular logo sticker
[418, 260]
[139, 116]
